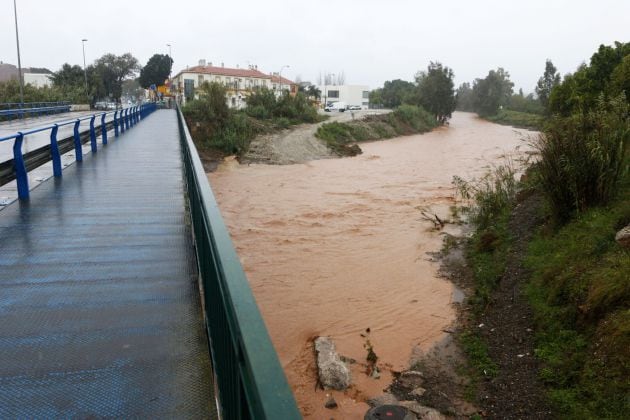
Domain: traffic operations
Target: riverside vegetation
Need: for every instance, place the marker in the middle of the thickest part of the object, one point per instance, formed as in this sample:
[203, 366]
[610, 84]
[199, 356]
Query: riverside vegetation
[570, 278]
[404, 120]
[216, 127]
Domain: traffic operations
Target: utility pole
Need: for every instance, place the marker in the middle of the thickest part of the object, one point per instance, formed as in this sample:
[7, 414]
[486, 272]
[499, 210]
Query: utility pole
[87, 96]
[17, 41]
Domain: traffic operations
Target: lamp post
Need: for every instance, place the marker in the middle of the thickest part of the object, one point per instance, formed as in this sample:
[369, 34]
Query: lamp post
[17, 41]
[85, 70]
[280, 77]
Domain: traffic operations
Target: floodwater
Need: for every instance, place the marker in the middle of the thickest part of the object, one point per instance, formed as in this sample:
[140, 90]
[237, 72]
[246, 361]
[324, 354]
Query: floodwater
[334, 247]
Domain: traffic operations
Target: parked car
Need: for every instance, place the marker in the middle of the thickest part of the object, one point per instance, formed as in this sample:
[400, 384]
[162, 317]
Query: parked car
[354, 108]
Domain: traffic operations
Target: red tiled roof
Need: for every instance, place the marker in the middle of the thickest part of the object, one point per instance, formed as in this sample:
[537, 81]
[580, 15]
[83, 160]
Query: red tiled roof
[285, 81]
[226, 71]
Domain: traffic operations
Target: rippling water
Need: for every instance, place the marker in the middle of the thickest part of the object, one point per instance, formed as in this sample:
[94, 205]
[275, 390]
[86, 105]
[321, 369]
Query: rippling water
[333, 247]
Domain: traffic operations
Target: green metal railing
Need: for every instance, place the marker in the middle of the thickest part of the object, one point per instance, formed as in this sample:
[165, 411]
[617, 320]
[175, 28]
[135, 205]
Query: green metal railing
[250, 381]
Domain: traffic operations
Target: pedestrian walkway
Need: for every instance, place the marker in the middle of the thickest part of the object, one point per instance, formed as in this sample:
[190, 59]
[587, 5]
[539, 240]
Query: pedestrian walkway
[100, 314]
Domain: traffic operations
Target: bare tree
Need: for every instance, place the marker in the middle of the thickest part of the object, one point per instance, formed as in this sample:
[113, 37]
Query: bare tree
[341, 77]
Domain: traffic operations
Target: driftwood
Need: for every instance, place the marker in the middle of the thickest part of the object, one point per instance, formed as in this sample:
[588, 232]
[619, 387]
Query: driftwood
[437, 222]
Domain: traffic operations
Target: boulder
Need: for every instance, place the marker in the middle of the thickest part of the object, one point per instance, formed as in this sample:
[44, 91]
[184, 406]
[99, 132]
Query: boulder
[623, 237]
[333, 373]
[385, 399]
[423, 413]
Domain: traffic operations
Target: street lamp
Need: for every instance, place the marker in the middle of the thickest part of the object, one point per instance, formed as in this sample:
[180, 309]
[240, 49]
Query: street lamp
[280, 77]
[17, 41]
[85, 70]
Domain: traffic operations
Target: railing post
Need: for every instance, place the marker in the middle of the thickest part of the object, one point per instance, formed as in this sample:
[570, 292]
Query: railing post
[127, 119]
[122, 120]
[103, 129]
[115, 124]
[93, 134]
[133, 116]
[136, 114]
[54, 152]
[21, 176]
[78, 153]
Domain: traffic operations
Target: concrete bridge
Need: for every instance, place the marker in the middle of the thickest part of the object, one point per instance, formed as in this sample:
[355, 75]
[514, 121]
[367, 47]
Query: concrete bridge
[121, 294]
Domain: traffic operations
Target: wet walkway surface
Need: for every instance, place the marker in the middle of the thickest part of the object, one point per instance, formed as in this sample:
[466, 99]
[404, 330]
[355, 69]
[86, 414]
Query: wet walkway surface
[99, 303]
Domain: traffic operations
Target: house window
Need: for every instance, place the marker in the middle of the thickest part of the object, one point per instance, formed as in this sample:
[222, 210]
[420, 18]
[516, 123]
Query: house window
[229, 80]
[333, 93]
[189, 89]
[199, 79]
[365, 104]
[366, 94]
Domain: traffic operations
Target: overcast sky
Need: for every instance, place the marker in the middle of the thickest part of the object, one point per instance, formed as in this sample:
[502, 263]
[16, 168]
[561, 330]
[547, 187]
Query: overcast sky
[371, 41]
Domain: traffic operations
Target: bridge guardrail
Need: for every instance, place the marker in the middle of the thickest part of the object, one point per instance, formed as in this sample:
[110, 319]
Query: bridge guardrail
[251, 381]
[18, 167]
[10, 111]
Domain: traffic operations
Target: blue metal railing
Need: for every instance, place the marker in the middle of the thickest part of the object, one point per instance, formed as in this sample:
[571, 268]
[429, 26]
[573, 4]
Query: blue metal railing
[250, 381]
[13, 110]
[122, 120]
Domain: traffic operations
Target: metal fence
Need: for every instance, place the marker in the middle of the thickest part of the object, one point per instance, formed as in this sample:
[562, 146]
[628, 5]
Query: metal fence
[250, 379]
[11, 110]
[18, 167]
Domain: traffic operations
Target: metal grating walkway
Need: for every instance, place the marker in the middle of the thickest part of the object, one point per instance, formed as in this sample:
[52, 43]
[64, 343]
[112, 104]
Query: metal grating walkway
[99, 305]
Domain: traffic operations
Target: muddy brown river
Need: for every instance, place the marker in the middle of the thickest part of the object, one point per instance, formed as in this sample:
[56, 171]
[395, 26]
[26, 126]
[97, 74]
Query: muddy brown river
[336, 246]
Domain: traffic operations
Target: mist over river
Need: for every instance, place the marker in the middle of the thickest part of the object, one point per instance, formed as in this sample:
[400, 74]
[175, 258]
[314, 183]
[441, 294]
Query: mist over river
[333, 247]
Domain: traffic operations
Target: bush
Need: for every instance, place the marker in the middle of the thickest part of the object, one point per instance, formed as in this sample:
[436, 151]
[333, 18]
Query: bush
[491, 195]
[518, 119]
[263, 104]
[582, 157]
[407, 119]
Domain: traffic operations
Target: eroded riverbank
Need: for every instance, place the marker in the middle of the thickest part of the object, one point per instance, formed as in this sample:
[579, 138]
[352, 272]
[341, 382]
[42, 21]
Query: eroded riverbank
[333, 247]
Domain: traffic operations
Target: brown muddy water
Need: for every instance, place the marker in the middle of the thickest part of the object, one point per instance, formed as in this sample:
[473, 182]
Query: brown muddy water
[336, 246]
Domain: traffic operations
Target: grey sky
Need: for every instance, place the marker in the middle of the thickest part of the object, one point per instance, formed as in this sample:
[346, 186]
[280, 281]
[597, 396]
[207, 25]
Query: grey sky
[371, 41]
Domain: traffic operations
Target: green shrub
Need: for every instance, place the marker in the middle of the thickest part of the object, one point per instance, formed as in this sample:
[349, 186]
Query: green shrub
[582, 157]
[518, 119]
[491, 195]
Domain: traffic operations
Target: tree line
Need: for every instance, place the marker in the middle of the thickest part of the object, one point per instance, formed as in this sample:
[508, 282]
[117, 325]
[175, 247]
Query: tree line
[109, 78]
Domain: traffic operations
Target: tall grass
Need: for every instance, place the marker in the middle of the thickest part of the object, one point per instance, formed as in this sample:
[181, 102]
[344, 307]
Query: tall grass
[582, 157]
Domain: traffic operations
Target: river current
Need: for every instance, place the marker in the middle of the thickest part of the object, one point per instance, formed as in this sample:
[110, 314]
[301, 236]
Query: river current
[338, 246]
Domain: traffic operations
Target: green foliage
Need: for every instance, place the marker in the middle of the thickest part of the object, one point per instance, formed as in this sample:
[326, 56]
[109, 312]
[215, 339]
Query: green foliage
[527, 104]
[580, 91]
[492, 92]
[580, 293]
[10, 92]
[583, 157]
[214, 125]
[104, 78]
[156, 71]
[263, 104]
[477, 352]
[518, 119]
[464, 98]
[549, 80]
[407, 119]
[436, 91]
[490, 195]
[393, 93]
[111, 70]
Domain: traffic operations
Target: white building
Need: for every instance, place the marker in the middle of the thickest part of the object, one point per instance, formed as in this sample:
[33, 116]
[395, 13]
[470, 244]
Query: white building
[239, 82]
[37, 79]
[349, 94]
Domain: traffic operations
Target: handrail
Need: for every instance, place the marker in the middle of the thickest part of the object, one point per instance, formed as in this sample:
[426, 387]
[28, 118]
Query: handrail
[126, 117]
[250, 379]
[36, 108]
